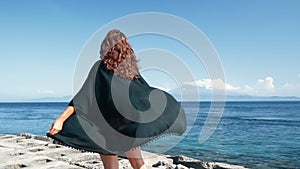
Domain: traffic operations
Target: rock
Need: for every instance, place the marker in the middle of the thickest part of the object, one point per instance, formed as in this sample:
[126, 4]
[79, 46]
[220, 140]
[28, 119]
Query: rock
[216, 165]
[159, 163]
[152, 159]
[35, 152]
[164, 165]
[189, 162]
[199, 164]
[179, 166]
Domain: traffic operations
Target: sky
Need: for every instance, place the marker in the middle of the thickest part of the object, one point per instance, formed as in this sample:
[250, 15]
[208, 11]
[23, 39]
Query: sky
[258, 43]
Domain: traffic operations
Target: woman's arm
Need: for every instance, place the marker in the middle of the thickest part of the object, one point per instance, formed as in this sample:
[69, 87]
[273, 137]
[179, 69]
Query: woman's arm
[66, 113]
[58, 123]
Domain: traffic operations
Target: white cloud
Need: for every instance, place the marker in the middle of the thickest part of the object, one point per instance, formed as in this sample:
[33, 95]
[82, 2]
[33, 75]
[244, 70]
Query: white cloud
[249, 88]
[260, 87]
[298, 74]
[210, 84]
[287, 85]
[168, 86]
[266, 84]
[163, 88]
[288, 89]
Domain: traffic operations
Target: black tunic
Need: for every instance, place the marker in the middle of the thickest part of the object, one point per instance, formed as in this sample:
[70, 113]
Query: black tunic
[113, 115]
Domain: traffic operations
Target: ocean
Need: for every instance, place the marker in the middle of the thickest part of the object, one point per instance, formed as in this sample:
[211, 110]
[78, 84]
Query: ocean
[262, 134]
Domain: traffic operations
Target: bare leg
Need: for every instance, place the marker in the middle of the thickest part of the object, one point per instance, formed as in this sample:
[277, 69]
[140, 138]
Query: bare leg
[135, 158]
[110, 161]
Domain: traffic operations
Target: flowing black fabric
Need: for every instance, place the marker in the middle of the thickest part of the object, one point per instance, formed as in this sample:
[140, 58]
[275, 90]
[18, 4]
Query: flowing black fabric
[113, 115]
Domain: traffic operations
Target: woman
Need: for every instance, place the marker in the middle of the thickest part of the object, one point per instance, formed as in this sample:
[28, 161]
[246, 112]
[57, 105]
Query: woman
[121, 126]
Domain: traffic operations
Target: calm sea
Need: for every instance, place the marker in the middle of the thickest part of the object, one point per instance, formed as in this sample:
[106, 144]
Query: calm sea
[253, 134]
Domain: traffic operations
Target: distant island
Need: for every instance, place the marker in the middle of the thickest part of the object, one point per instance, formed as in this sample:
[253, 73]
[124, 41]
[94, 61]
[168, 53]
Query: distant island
[261, 98]
[51, 99]
[202, 98]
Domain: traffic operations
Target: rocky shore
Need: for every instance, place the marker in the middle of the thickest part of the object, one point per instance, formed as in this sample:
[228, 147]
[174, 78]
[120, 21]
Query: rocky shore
[40, 152]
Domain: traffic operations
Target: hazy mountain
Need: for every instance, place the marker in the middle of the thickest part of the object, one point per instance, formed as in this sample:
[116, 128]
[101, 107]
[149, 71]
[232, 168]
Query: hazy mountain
[190, 93]
[261, 98]
[52, 99]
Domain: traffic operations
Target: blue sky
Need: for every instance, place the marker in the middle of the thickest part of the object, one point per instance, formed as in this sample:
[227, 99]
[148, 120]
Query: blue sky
[257, 42]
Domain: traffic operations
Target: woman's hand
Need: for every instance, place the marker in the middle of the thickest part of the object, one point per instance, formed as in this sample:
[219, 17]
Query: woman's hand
[58, 123]
[56, 126]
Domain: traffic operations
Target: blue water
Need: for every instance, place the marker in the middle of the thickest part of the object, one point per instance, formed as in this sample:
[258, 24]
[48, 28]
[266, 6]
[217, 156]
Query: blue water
[258, 135]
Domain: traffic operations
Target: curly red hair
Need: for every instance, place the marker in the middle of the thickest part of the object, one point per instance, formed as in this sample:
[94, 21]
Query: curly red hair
[118, 55]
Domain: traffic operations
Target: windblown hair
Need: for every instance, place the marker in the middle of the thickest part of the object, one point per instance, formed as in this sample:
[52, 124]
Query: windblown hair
[118, 55]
